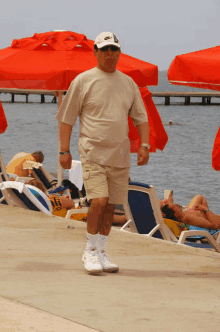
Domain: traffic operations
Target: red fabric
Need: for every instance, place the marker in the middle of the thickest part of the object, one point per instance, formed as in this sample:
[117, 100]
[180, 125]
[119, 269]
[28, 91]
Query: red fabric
[158, 135]
[216, 152]
[3, 121]
[199, 69]
[51, 60]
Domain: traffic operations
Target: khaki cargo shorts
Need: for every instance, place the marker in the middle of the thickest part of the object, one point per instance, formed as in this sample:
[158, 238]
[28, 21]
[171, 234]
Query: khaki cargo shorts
[106, 181]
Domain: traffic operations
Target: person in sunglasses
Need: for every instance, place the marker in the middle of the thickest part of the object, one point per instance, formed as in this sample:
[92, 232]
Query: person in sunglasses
[103, 97]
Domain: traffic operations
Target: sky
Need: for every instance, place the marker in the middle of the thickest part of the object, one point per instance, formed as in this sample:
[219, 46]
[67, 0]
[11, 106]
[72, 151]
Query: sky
[154, 31]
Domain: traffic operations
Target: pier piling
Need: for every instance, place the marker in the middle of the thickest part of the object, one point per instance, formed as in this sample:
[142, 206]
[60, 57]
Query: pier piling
[42, 99]
[187, 100]
[167, 100]
[205, 96]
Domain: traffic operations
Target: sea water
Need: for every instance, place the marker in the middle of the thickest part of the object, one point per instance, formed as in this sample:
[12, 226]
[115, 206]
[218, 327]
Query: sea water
[184, 166]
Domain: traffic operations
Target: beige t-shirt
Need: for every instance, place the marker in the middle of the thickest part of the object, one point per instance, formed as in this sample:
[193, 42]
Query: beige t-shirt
[103, 102]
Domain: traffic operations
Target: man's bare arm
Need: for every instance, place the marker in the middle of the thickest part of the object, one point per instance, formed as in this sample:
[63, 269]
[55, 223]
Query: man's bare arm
[143, 153]
[65, 135]
[143, 131]
[191, 218]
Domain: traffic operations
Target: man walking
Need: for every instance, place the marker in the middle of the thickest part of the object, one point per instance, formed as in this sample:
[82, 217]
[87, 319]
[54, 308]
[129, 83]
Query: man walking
[103, 97]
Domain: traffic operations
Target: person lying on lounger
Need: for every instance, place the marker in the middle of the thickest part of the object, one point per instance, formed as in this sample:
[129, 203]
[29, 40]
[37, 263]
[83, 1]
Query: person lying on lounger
[62, 204]
[196, 213]
[15, 165]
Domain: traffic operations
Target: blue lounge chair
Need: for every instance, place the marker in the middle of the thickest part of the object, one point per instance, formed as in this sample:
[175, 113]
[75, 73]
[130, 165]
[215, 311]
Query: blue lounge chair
[41, 174]
[44, 177]
[24, 196]
[144, 217]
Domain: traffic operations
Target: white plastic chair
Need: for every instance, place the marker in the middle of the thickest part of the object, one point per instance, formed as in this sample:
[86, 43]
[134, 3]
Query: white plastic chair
[144, 217]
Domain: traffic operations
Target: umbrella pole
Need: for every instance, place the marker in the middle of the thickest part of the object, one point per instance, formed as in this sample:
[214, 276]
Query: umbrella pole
[59, 167]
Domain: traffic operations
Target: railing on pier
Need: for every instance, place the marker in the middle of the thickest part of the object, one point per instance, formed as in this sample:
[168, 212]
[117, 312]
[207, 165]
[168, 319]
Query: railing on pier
[206, 97]
[27, 92]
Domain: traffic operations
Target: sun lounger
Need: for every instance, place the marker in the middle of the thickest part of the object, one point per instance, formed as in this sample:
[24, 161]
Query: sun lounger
[17, 194]
[144, 217]
[24, 196]
[191, 237]
[44, 177]
[41, 174]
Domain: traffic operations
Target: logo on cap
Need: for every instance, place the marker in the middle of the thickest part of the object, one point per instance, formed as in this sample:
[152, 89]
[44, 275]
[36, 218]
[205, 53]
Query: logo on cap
[115, 38]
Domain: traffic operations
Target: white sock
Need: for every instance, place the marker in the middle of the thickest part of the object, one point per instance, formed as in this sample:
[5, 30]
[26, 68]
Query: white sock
[102, 239]
[92, 241]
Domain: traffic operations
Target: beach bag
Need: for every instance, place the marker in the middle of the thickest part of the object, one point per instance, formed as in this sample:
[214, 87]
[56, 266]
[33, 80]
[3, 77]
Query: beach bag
[3, 121]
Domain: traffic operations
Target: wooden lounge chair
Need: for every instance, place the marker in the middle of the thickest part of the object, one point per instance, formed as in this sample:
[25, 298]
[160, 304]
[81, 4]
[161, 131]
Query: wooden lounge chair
[144, 217]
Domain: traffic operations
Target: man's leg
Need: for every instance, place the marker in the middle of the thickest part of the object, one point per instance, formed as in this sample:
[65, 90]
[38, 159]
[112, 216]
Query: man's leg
[118, 191]
[104, 228]
[107, 220]
[95, 214]
[91, 257]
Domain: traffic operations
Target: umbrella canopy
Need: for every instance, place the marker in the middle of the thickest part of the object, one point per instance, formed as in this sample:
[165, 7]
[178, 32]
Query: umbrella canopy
[51, 60]
[216, 152]
[158, 135]
[200, 69]
[3, 120]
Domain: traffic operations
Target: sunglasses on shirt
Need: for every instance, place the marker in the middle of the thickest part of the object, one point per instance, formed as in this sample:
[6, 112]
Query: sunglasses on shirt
[112, 48]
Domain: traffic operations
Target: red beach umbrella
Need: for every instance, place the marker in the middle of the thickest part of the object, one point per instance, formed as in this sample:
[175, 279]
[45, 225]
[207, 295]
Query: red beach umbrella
[216, 152]
[51, 60]
[158, 135]
[200, 69]
[3, 120]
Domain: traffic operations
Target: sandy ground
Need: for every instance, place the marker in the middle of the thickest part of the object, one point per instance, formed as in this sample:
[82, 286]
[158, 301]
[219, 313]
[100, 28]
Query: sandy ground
[161, 286]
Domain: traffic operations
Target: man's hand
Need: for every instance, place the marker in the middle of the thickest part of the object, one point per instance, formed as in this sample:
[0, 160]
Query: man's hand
[143, 156]
[66, 160]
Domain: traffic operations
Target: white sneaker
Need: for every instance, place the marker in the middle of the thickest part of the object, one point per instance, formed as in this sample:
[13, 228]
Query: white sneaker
[91, 261]
[106, 263]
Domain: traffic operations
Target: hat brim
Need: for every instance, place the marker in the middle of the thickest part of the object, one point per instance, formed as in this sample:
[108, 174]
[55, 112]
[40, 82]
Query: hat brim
[108, 43]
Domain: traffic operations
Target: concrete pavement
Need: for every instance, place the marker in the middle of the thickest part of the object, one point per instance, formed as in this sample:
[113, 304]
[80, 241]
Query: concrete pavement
[43, 285]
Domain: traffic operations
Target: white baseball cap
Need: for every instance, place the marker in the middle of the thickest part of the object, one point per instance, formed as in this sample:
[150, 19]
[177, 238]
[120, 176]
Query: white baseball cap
[106, 38]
